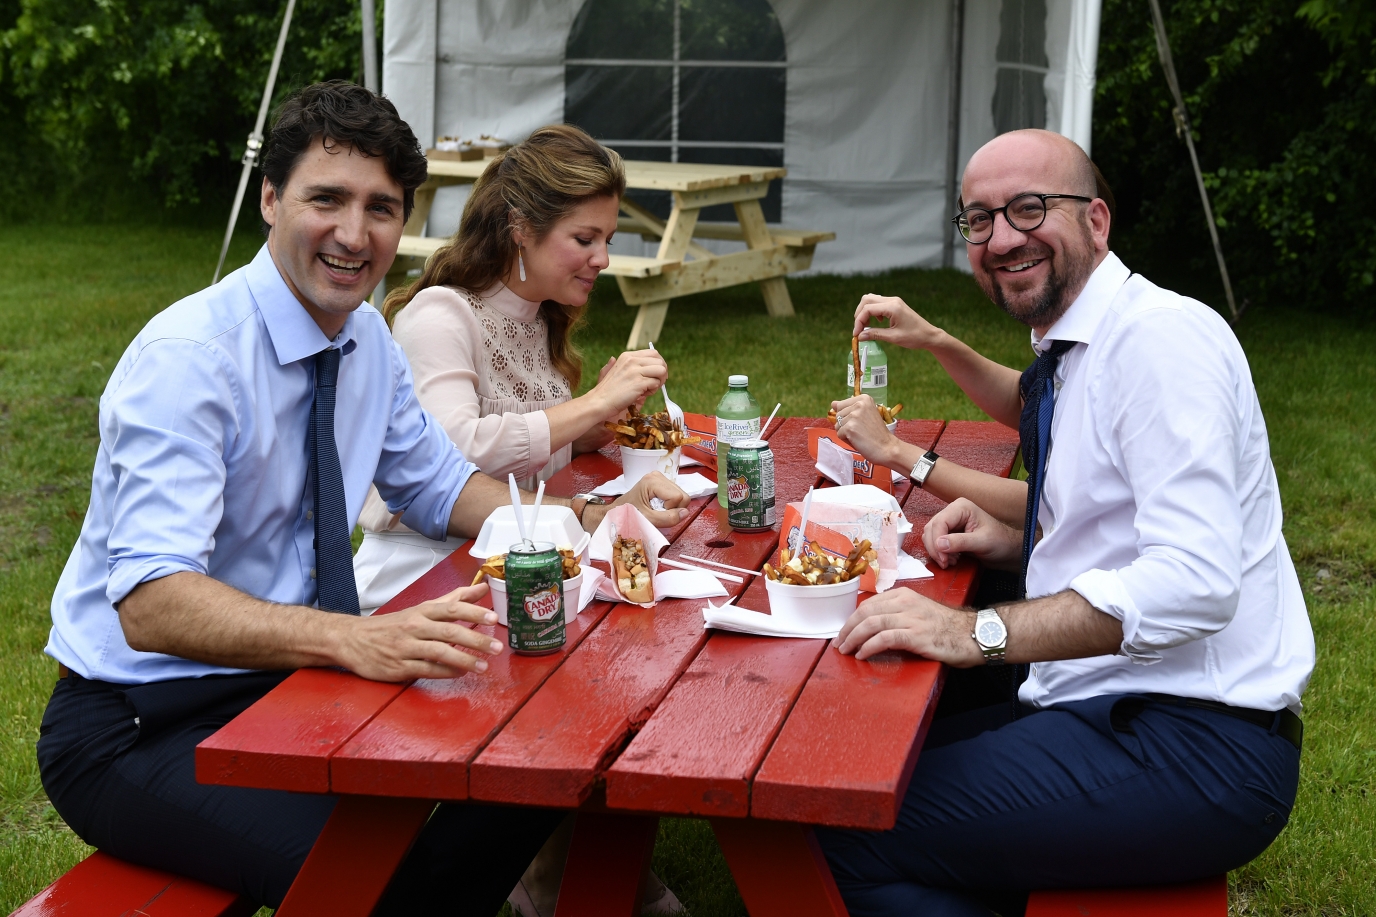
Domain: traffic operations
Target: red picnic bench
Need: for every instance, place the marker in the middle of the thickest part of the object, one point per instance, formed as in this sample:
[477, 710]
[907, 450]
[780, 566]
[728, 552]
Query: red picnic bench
[642, 714]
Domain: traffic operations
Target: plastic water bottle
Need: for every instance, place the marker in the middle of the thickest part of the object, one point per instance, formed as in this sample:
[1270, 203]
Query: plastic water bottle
[738, 418]
[875, 380]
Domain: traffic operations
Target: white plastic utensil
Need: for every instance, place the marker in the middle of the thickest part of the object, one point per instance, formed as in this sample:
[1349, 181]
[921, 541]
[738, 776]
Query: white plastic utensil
[765, 429]
[516, 510]
[535, 513]
[675, 412]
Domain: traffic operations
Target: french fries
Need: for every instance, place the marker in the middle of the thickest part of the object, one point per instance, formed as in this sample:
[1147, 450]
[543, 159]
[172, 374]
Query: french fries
[886, 413]
[855, 361]
[650, 431]
[495, 566]
[814, 566]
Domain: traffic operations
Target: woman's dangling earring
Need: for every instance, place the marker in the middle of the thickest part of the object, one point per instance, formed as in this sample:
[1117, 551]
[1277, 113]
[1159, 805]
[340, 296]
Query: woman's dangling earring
[521, 265]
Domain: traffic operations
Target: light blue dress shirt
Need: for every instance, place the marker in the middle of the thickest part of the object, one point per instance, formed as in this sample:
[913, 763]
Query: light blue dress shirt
[202, 462]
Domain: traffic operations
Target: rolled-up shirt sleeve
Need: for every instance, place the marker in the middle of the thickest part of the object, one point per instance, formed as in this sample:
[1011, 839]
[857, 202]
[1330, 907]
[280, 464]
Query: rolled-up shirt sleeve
[165, 427]
[1168, 411]
[420, 471]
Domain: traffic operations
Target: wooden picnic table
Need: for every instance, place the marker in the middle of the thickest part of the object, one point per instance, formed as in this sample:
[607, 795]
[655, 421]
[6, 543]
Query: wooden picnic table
[642, 714]
[681, 266]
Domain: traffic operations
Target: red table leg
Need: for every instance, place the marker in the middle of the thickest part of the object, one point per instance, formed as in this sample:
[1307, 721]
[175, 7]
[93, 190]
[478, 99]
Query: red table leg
[779, 869]
[609, 857]
[356, 855]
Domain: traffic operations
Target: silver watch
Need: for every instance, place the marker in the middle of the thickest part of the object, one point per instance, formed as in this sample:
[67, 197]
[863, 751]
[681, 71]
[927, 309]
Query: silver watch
[992, 636]
[923, 468]
[587, 499]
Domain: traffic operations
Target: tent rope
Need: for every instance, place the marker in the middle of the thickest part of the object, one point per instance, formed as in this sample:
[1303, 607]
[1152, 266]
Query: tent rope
[1183, 129]
[255, 139]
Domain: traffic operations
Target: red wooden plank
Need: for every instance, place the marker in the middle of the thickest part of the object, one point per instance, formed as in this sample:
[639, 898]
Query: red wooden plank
[845, 755]
[422, 744]
[794, 469]
[779, 868]
[285, 740]
[1205, 898]
[980, 444]
[102, 886]
[698, 752]
[553, 750]
[354, 858]
[608, 861]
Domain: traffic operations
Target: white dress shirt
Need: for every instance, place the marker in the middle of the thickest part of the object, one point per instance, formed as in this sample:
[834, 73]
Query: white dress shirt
[1161, 506]
[202, 461]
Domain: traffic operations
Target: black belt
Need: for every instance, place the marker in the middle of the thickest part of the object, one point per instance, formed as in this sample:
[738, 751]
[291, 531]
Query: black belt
[1283, 723]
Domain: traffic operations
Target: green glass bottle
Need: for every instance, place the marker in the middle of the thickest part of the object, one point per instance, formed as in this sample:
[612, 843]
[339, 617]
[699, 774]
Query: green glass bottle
[875, 380]
[738, 418]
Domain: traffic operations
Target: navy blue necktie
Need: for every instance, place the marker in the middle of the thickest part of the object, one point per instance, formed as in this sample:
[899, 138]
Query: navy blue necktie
[334, 554]
[1038, 386]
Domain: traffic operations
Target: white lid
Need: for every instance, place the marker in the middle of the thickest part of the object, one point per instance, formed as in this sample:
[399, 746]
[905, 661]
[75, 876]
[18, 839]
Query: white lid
[742, 381]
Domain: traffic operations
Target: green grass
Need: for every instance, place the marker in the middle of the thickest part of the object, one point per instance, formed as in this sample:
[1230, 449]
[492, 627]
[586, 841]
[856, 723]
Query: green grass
[72, 298]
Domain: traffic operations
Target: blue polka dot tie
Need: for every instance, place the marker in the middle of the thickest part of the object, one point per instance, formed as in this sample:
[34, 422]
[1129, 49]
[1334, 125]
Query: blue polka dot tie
[334, 555]
[1038, 386]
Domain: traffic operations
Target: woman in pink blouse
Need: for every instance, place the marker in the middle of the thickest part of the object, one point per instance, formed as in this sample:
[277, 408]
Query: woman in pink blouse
[488, 331]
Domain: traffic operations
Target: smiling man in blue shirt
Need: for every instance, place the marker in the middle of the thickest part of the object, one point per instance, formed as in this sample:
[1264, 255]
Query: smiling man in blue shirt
[236, 423]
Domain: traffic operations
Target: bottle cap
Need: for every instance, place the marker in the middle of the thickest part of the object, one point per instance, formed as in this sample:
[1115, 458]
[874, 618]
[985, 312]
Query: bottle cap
[739, 381]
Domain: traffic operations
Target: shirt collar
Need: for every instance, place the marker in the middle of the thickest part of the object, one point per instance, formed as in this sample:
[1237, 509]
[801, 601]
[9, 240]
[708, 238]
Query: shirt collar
[502, 298]
[294, 334]
[1082, 318]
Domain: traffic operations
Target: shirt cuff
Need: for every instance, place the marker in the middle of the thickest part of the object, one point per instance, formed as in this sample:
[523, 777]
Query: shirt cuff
[1104, 590]
[127, 573]
[538, 442]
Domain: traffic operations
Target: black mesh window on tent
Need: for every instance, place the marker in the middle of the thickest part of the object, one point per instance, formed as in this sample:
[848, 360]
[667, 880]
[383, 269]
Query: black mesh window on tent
[1019, 88]
[680, 81]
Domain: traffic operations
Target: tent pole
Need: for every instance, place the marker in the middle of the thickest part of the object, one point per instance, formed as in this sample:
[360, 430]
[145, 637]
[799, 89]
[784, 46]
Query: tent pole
[1182, 128]
[369, 18]
[948, 241]
[255, 139]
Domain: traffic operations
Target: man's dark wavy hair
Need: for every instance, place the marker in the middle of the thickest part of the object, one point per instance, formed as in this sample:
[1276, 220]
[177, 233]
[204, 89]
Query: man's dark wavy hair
[344, 115]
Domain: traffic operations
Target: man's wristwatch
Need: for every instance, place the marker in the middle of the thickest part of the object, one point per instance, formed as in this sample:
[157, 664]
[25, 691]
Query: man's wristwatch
[992, 636]
[923, 468]
[594, 499]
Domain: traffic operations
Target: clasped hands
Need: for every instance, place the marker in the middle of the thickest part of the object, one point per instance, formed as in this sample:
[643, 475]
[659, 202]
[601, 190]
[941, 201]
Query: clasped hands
[901, 619]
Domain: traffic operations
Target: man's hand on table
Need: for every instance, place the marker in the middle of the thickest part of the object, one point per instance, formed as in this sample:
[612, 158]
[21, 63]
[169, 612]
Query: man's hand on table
[963, 528]
[653, 486]
[859, 424]
[900, 619]
[425, 641]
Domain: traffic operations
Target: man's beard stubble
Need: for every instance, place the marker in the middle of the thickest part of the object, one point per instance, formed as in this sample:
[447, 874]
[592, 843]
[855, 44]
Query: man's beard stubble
[1055, 297]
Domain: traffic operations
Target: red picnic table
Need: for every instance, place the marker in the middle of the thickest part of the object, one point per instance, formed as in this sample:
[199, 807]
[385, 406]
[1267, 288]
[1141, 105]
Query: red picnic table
[642, 714]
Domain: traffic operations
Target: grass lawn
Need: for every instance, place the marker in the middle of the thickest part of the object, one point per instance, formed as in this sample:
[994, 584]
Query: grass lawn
[72, 298]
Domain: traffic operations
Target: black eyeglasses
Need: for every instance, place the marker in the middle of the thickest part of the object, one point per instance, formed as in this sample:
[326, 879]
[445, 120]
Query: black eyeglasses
[1024, 213]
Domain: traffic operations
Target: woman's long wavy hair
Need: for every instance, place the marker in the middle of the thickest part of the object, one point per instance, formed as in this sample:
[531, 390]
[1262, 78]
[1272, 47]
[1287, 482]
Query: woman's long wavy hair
[535, 184]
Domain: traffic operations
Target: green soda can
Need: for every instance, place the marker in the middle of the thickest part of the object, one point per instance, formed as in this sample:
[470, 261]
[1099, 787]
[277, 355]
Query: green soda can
[750, 486]
[534, 599]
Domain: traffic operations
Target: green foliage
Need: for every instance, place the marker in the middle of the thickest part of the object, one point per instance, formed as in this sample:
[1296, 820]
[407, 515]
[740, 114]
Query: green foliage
[131, 107]
[1282, 96]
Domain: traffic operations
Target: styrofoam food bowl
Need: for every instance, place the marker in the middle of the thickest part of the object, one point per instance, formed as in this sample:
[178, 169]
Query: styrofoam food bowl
[636, 463]
[557, 525]
[892, 425]
[573, 587]
[813, 608]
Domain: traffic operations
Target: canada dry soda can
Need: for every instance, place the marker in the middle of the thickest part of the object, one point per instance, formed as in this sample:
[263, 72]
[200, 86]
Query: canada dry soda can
[534, 599]
[750, 486]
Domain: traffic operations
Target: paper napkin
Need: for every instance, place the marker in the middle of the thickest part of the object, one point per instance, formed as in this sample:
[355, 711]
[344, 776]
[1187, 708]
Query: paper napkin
[694, 484]
[741, 621]
[835, 463]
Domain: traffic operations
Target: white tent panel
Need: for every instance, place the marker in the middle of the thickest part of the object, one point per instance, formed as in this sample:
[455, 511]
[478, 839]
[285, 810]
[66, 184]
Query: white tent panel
[865, 122]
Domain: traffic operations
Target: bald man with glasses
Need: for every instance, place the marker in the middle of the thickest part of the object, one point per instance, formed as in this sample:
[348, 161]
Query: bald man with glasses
[1161, 639]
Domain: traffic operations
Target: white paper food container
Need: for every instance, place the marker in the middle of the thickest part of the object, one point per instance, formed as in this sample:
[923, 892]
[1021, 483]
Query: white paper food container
[892, 425]
[812, 608]
[572, 590]
[636, 463]
[558, 525]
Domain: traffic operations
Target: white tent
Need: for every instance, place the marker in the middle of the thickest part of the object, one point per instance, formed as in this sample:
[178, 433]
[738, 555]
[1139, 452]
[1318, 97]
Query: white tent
[865, 88]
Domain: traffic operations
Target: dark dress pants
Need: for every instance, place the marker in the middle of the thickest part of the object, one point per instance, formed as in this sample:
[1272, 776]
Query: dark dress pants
[1070, 797]
[118, 764]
